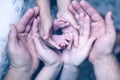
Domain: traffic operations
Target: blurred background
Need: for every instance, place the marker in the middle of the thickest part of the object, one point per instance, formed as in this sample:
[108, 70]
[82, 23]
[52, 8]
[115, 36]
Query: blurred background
[102, 7]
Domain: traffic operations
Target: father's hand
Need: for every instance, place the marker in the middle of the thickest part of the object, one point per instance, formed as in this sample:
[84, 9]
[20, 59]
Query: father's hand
[102, 29]
[22, 55]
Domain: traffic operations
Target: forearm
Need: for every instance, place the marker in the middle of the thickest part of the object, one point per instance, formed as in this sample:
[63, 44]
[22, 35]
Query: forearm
[63, 4]
[69, 73]
[14, 74]
[48, 73]
[107, 68]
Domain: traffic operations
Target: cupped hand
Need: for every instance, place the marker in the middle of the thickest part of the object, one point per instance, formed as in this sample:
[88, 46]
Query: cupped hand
[75, 56]
[20, 45]
[102, 29]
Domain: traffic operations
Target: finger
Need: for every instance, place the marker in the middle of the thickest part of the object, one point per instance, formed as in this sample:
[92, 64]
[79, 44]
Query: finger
[70, 40]
[36, 14]
[60, 19]
[56, 24]
[37, 10]
[12, 37]
[94, 15]
[70, 44]
[52, 44]
[86, 31]
[62, 45]
[64, 25]
[109, 23]
[37, 44]
[25, 20]
[88, 45]
[81, 22]
[38, 19]
[76, 38]
[35, 27]
[72, 10]
[73, 21]
[28, 28]
[66, 42]
[77, 8]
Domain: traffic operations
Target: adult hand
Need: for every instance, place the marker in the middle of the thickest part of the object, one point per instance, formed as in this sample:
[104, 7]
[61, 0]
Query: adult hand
[21, 49]
[74, 57]
[50, 58]
[100, 29]
[101, 52]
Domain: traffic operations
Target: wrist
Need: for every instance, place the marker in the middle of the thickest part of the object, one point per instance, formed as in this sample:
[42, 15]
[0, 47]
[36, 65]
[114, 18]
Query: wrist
[16, 74]
[21, 70]
[107, 67]
[104, 59]
[71, 68]
[55, 64]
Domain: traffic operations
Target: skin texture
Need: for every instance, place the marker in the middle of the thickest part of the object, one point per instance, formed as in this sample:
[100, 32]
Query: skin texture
[22, 54]
[61, 40]
[45, 17]
[105, 33]
[45, 29]
[50, 58]
[46, 22]
[25, 50]
[63, 12]
[75, 56]
[25, 46]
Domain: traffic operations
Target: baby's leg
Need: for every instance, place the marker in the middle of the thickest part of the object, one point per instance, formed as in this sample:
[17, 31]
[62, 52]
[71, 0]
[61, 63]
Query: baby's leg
[60, 23]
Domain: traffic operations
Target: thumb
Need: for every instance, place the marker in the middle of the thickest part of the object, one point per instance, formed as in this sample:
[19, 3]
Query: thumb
[89, 44]
[12, 36]
[37, 44]
[109, 22]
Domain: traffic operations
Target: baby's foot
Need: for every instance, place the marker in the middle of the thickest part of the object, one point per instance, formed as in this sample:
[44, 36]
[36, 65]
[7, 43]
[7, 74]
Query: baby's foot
[61, 40]
[60, 23]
